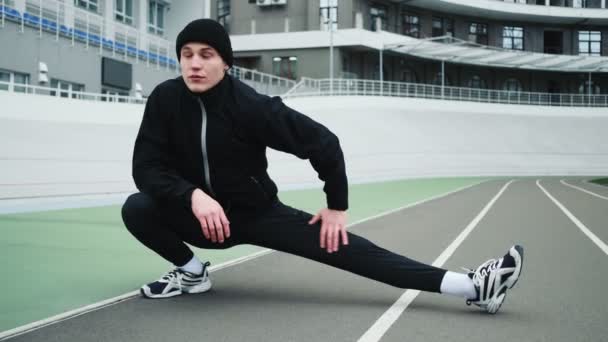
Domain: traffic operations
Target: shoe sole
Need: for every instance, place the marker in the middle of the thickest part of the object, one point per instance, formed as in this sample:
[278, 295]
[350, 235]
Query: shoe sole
[517, 252]
[203, 287]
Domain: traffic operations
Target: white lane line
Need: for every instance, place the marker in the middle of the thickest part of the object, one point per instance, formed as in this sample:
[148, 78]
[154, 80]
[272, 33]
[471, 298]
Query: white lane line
[133, 294]
[583, 190]
[381, 326]
[109, 302]
[576, 221]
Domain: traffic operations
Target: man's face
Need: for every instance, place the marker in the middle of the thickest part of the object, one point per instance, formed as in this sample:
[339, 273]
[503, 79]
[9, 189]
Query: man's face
[202, 66]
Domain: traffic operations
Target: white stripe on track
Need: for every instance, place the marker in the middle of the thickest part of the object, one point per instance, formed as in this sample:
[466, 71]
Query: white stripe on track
[583, 190]
[381, 326]
[133, 294]
[576, 221]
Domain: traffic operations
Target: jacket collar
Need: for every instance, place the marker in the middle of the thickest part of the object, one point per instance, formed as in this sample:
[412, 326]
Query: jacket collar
[214, 96]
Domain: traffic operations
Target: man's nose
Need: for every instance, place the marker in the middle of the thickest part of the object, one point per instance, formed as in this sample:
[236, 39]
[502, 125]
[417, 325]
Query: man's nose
[197, 62]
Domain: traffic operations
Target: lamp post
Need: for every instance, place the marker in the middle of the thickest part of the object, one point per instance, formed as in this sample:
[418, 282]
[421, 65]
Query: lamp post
[329, 16]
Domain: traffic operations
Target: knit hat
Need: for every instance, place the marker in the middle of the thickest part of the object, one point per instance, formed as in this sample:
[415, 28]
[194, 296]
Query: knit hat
[206, 31]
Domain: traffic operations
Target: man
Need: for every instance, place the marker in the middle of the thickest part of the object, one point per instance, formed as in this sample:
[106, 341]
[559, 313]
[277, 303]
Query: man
[200, 164]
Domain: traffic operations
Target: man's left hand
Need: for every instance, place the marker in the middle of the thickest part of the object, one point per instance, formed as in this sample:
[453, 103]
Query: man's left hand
[333, 227]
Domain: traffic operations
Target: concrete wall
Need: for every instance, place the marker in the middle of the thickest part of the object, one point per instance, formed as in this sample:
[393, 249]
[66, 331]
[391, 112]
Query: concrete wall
[182, 12]
[54, 146]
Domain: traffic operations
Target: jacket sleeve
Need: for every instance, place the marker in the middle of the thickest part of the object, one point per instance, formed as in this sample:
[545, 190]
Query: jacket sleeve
[287, 130]
[152, 170]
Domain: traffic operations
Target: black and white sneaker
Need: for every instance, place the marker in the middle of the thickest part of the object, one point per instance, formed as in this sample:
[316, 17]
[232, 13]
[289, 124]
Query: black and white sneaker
[176, 282]
[494, 277]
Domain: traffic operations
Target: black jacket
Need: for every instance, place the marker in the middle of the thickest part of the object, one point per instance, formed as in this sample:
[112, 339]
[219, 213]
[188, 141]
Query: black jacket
[216, 141]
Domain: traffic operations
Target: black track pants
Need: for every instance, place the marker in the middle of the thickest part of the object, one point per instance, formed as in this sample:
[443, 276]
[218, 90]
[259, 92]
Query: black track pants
[164, 228]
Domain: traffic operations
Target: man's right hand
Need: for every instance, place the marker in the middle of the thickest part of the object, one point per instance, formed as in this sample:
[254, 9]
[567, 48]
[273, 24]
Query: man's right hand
[210, 214]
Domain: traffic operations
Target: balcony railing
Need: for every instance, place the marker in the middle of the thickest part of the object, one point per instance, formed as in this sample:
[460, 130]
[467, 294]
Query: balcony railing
[63, 19]
[262, 82]
[593, 4]
[357, 87]
[349, 87]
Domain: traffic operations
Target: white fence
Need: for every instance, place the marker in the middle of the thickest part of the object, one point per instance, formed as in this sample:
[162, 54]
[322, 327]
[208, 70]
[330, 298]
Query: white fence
[340, 87]
[79, 95]
[263, 83]
[273, 85]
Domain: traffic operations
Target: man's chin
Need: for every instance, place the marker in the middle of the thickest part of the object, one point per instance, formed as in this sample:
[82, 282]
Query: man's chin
[197, 88]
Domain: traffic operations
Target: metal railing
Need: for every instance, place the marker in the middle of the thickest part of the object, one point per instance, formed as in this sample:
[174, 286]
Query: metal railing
[350, 87]
[95, 31]
[594, 4]
[358, 87]
[262, 82]
[66, 93]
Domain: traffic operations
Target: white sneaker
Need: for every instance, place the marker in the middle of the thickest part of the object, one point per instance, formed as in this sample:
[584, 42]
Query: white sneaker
[494, 277]
[177, 282]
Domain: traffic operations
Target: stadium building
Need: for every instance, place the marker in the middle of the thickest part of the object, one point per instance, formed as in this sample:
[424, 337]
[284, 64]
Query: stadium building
[125, 47]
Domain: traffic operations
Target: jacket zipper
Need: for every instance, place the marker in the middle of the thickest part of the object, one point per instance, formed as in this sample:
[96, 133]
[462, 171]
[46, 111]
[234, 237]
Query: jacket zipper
[259, 186]
[204, 148]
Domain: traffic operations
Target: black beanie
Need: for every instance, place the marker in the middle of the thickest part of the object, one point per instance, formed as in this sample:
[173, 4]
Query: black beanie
[206, 31]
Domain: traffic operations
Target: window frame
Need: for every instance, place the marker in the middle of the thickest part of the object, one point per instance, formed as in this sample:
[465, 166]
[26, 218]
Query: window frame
[156, 7]
[407, 26]
[123, 16]
[325, 12]
[512, 38]
[589, 43]
[223, 13]
[477, 34]
[89, 5]
[383, 16]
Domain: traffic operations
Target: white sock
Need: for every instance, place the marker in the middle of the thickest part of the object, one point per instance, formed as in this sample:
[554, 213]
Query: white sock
[458, 284]
[193, 266]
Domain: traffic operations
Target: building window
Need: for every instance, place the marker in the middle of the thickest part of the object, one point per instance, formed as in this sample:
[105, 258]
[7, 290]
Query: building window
[15, 79]
[223, 13]
[587, 4]
[513, 37]
[65, 89]
[512, 84]
[378, 12]
[477, 82]
[437, 79]
[411, 25]
[584, 88]
[478, 33]
[5, 77]
[285, 67]
[408, 75]
[90, 5]
[156, 17]
[123, 11]
[443, 27]
[328, 12]
[589, 43]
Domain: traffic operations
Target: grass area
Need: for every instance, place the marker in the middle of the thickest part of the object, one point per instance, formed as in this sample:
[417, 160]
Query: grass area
[600, 181]
[55, 261]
